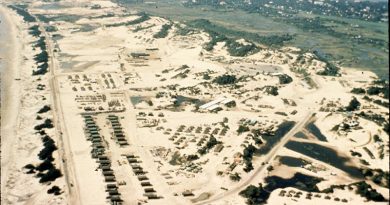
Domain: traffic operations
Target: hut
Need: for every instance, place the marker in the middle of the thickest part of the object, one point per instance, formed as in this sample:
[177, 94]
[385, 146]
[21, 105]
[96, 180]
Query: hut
[218, 148]
[136, 167]
[151, 195]
[97, 140]
[95, 136]
[113, 192]
[102, 157]
[108, 173]
[146, 184]
[97, 145]
[89, 122]
[88, 119]
[122, 143]
[187, 193]
[100, 151]
[109, 178]
[114, 120]
[131, 156]
[111, 186]
[106, 168]
[115, 198]
[138, 171]
[104, 162]
[118, 131]
[148, 190]
[112, 117]
[92, 128]
[121, 138]
[142, 178]
[91, 125]
[116, 135]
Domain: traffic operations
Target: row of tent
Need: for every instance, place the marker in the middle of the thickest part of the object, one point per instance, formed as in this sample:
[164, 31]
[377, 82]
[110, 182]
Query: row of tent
[150, 193]
[98, 153]
[118, 132]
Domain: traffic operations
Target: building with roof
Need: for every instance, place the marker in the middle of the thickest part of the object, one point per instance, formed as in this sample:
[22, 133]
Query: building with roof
[216, 105]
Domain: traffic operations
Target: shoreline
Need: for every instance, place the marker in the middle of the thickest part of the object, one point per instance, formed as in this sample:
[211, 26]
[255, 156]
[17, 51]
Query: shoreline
[10, 100]
[20, 143]
[99, 62]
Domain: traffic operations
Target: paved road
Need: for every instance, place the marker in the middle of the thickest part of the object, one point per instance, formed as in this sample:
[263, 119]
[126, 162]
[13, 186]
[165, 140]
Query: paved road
[268, 158]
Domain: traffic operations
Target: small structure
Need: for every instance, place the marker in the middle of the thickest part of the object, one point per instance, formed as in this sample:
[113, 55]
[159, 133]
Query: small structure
[139, 55]
[215, 105]
[209, 104]
[111, 186]
[132, 160]
[187, 193]
[113, 192]
[115, 198]
[146, 184]
[142, 178]
[229, 103]
[108, 173]
[106, 168]
[151, 196]
[276, 74]
[148, 190]
[109, 178]
[214, 108]
[218, 148]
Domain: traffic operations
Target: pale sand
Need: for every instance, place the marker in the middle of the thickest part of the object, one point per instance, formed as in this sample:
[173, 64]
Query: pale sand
[106, 48]
[20, 143]
[10, 99]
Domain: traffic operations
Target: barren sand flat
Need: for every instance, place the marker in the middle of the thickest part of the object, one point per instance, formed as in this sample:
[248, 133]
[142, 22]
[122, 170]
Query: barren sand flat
[141, 112]
[9, 101]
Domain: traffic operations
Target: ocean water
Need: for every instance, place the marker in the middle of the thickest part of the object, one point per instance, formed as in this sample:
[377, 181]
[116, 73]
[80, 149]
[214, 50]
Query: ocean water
[4, 47]
[2, 29]
[4, 41]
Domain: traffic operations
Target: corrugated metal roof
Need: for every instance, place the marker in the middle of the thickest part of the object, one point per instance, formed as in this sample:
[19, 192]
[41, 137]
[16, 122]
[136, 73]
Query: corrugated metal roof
[205, 106]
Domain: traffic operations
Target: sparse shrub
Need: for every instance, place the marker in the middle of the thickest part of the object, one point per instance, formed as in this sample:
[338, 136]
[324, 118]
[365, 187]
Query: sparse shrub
[377, 138]
[163, 32]
[354, 104]
[358, 91]
[225, 79]
[235, 177]
[254, 195]
[271, 90]
[192, 157]
[242, 129]
[47, 152]
[54, 190]
[47, 124]
[44, 109]
[45, 165]
[51, 175]
[285, 79]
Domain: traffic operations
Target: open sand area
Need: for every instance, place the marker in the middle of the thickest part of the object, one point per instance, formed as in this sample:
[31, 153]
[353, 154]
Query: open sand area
[142, 119]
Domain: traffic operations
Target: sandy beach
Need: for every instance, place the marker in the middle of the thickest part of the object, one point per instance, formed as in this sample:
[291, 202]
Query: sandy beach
[20, 143]
[10, 61]
[129, 107]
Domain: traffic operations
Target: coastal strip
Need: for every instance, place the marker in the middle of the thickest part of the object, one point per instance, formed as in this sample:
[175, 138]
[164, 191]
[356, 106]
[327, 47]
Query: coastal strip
[10, 89]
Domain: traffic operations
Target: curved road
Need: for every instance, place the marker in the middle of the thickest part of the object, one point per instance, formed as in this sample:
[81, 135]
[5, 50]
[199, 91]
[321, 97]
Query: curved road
[268, 158]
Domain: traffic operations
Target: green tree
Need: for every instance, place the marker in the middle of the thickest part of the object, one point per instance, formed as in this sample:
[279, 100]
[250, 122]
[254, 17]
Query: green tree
[354, 104]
